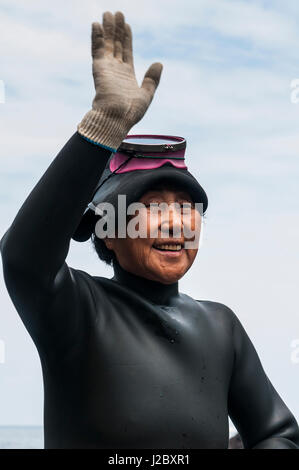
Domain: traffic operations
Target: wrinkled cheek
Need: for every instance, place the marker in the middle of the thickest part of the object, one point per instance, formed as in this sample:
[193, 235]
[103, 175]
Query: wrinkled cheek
[192, 223]
[191, 254]
[196, 221]
[141, 246]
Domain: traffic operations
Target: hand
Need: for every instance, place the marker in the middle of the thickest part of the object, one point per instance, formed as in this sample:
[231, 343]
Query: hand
[117, 90]
[119, 102]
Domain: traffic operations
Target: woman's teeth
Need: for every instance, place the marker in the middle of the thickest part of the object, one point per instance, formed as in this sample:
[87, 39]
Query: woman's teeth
[169, 247]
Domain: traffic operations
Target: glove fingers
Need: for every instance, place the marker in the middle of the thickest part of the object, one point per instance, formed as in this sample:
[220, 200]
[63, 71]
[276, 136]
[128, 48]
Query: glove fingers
[119, 34]
[97, 41]
[152, 78]
[118, 50]
[127, 47]
[109, 28]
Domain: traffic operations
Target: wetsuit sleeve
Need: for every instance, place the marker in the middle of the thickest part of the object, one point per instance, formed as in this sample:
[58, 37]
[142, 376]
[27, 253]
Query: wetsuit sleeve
[256, 409]
[34, 248]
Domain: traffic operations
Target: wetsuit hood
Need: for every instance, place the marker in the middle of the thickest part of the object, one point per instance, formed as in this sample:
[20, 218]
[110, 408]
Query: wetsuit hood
[133, 183]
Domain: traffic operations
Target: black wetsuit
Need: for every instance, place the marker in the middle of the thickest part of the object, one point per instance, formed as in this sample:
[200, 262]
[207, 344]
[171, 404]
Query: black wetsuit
[128, 362]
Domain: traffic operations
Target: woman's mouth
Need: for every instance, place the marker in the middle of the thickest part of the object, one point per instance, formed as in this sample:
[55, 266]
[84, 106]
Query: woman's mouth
[170, 249]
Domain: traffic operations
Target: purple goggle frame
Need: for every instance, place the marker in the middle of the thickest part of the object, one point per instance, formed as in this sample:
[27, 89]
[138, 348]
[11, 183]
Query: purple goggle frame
[146, 152]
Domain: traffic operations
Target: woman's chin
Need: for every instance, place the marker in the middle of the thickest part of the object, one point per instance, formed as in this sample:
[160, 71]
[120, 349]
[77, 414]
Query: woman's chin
[168, 276]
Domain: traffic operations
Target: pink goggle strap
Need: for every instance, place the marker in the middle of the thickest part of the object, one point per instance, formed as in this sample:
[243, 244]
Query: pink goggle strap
[149, 162]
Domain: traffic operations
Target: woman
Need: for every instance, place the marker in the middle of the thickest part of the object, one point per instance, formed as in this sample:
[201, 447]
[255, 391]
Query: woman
[130, 362]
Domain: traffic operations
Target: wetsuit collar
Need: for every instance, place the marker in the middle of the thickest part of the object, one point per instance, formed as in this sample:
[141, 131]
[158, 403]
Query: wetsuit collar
[154, 291]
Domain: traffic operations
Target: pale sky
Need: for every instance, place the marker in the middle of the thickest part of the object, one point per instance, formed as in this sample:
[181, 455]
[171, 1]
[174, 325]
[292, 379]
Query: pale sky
[228, 65]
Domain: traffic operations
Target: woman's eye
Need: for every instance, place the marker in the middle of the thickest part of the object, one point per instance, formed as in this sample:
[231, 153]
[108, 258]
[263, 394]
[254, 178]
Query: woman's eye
[182, 205]
[152, 204]
[187, 204]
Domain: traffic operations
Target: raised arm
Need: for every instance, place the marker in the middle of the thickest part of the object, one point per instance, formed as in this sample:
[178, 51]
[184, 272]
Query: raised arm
[37, 242]
[35, 247]
[260, 415]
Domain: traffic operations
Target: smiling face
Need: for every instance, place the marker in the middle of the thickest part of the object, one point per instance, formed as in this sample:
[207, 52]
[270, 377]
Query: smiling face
[164, 257]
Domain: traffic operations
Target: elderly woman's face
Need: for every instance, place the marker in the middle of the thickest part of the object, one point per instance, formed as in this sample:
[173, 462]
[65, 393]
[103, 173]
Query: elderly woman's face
[150, 257]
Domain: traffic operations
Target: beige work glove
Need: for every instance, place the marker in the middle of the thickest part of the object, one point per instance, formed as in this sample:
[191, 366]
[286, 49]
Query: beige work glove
[119, 102]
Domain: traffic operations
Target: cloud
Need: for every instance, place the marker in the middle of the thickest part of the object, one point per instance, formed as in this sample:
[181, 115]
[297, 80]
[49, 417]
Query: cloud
[255, 21]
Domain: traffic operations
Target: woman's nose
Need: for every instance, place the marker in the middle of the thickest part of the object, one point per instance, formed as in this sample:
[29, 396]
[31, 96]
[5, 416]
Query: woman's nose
[172, 222]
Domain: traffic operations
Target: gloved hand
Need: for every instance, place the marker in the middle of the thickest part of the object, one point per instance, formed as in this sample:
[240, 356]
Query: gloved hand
[119, 102]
